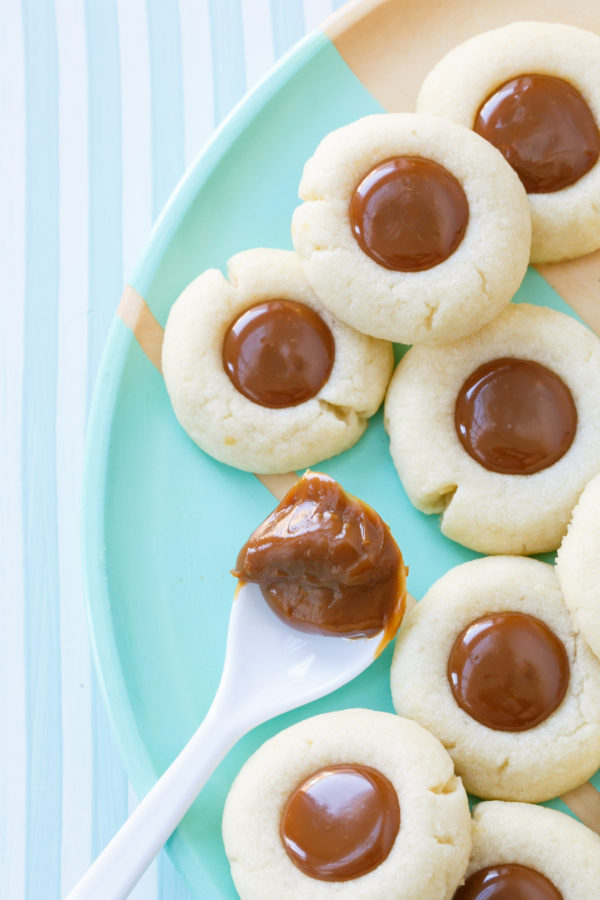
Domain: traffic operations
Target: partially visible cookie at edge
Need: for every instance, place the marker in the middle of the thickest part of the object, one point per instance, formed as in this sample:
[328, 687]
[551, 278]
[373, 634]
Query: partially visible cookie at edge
[578, 564]
[517, 709]
[552, 844]
[566, 221]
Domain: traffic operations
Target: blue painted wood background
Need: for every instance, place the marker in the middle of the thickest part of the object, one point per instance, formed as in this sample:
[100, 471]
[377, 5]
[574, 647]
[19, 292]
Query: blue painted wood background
[103, 103]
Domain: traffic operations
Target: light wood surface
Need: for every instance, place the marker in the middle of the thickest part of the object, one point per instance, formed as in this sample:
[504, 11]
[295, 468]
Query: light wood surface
[578, 282]
[137, 315]
[584, 801]
[279, 485]
[391, 45]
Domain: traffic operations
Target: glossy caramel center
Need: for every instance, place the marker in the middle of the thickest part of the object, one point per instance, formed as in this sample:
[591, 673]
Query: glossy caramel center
[508, 671]
[278, 353]
[341, 822]
[510, 881]
[409, 213]
[544, 128]
[515, 416]
[326, 562]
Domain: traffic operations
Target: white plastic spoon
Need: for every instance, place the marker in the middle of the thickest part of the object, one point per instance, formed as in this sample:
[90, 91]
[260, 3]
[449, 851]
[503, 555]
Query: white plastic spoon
[269, 669]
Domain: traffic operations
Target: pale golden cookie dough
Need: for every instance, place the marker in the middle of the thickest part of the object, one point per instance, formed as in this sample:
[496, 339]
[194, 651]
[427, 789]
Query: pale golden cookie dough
[555, 756]
[430, 853]
[555, 845]
[228, 425]
[578, 565]
[445, 302]
[488, 511]
[566, 223]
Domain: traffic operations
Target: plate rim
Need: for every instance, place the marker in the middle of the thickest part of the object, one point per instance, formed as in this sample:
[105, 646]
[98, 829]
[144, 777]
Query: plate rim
[136, 759]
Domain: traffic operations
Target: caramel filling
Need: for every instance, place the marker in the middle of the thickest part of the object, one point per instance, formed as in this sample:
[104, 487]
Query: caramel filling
[325, 562]
[515, 416]
[510, 881]
[341, 822]
[278, 353]
[409, 214]
[544, 128]
[508, 671]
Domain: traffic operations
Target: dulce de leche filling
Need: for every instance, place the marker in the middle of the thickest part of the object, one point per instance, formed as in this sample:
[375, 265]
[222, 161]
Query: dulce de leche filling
[278, 353]
[515, 416]
[325, 562]
[341, 822]
[508, 671]
[509, 881]
[544, 128]
[409, 213]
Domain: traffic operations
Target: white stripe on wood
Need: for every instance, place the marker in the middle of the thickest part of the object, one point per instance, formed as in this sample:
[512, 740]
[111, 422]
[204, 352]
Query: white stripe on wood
[315, 13]
[197, 74]
[13, 751]
[70, 436]
[136, 130]
[258, 39]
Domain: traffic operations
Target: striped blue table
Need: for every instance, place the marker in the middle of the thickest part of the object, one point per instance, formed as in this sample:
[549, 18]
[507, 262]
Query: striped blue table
[103, 104]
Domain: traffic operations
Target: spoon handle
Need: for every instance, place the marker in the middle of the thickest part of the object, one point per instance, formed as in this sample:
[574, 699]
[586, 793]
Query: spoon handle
[124, 860]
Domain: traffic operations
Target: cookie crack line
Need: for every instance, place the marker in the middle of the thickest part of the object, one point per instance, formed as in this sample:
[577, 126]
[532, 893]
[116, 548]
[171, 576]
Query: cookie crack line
[567, 735]
[503, 765]
[484, 285]
[344, 413]
[430, 317]
[444, 840]
[448, 787]
[441, 499]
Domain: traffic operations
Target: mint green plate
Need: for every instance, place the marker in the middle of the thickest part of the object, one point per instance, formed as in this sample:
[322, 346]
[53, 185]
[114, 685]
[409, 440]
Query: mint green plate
[163, 521]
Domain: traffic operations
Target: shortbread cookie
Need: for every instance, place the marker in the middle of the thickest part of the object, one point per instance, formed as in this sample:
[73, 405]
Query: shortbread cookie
[261, 375]
[500, 432]
[489, 662]
[578, 565]
[533, 89]
[361, 773]
[411, 230]
[530, 851]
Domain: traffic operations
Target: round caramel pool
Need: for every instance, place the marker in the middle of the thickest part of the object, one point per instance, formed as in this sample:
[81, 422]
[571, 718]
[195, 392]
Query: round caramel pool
[409, 213]
[278, 353]
[544, 128]
[508, 671]
[515, 416]
[341, 822]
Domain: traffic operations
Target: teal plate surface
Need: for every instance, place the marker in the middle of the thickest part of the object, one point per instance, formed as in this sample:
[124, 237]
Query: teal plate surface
[163, 522]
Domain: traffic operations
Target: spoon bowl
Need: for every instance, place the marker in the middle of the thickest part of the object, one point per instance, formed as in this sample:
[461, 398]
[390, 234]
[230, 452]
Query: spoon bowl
[270, 668]
[278, 667]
